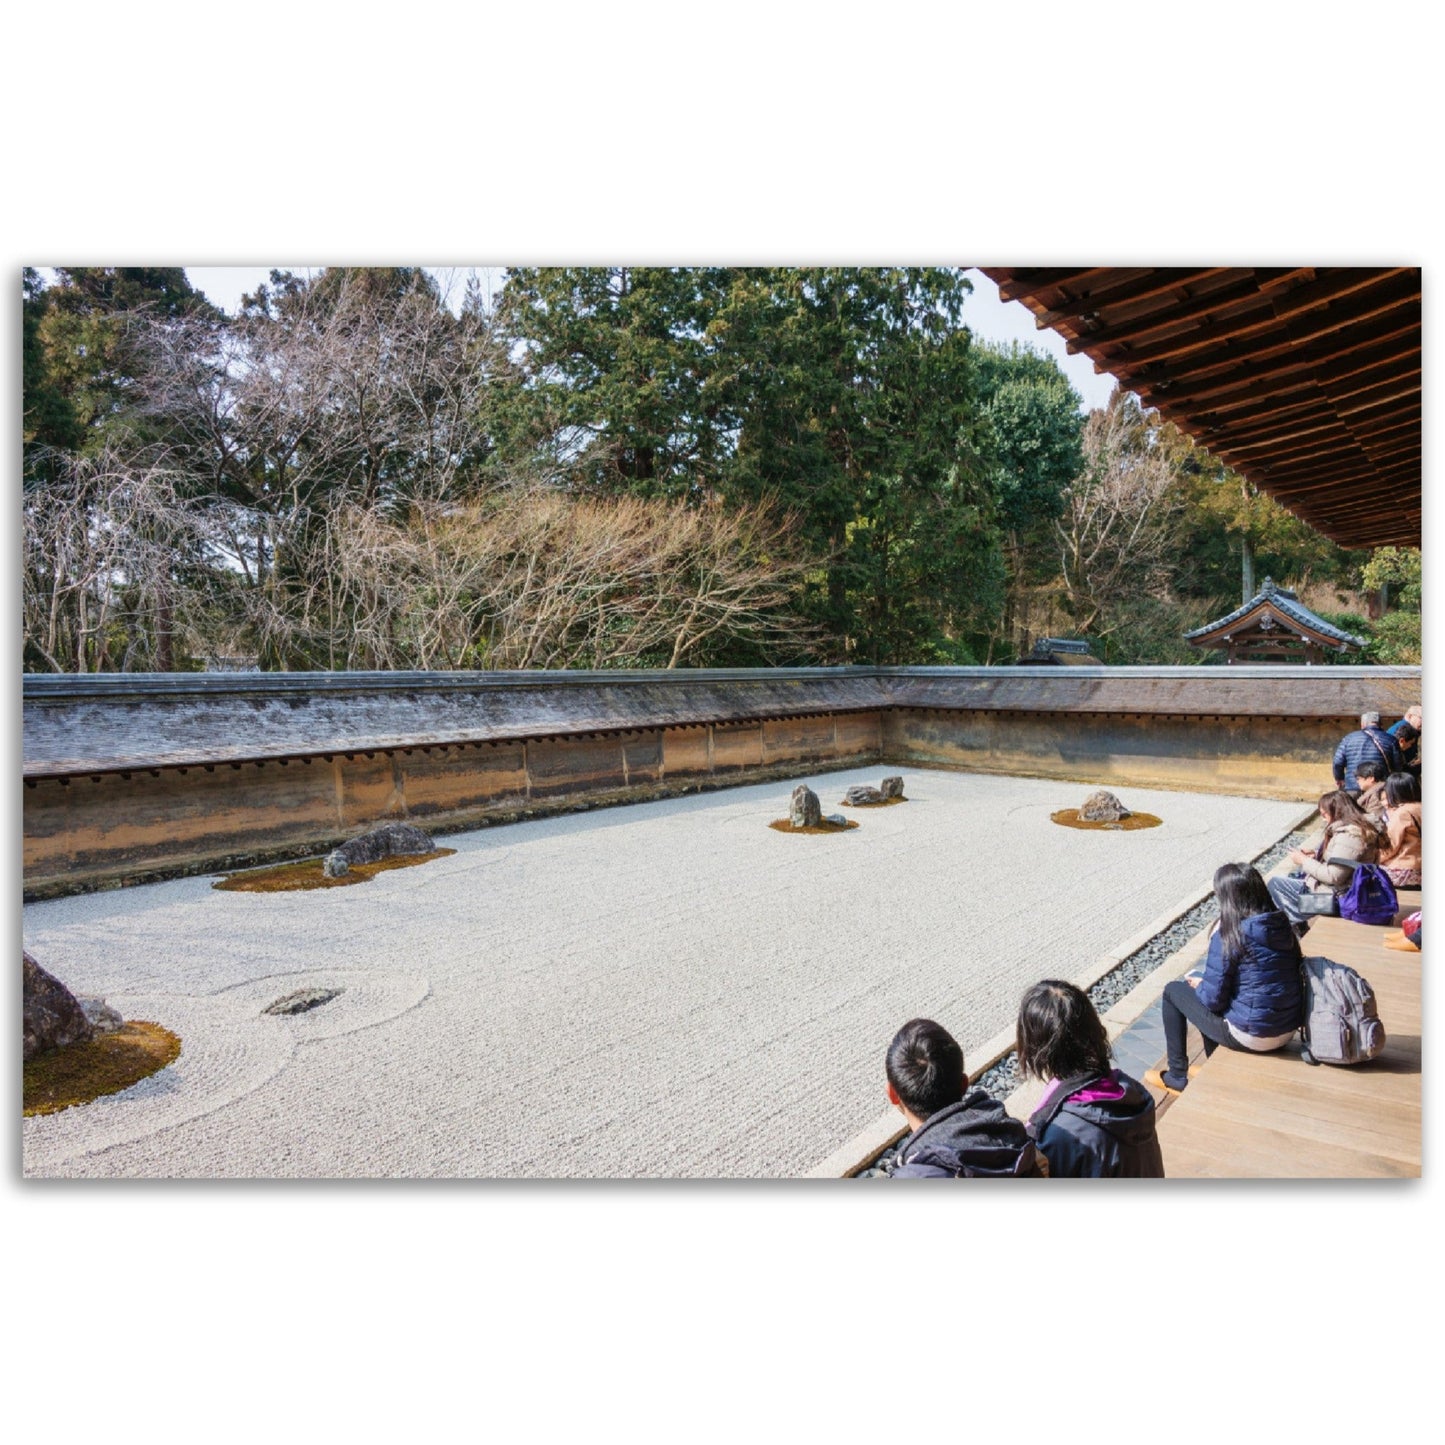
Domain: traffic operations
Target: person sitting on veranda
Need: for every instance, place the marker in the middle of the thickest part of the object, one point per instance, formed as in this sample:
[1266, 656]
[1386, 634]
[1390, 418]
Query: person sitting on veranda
[1370, 778]
[1406, 733]
[1349, 836]
[1399, 853]
[1094, 1121]
[1369, 742]
[1250, 997]
[958, 1132]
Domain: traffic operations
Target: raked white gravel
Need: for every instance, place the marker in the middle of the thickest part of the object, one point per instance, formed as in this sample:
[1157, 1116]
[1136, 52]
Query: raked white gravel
[665, 989]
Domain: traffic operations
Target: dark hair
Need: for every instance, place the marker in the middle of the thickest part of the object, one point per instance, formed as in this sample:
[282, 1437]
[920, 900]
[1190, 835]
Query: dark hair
[925, 1067]
[1373, 769]
[1402, 788]
[1406, 732]
[1340, 807]
[1242, 894]
[1060, 1034]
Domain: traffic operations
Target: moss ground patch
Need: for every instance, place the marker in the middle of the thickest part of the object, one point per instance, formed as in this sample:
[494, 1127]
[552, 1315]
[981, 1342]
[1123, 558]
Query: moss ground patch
[1069, 817]
[63, 1077]
[783, 826]
[296, 877]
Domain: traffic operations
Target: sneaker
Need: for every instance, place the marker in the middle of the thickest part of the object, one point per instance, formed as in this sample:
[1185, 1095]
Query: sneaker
[1162, 1079]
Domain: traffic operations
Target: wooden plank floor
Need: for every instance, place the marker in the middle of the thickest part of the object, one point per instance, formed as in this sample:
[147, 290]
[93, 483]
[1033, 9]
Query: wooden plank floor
[1272, 1116]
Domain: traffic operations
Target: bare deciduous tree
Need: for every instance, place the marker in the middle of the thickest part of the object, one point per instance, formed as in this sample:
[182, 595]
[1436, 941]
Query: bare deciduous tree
[1119, 519]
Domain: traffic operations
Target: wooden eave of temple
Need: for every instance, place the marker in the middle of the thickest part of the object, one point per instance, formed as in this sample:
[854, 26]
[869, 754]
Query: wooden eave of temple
[1303, 379]
[1274, 623]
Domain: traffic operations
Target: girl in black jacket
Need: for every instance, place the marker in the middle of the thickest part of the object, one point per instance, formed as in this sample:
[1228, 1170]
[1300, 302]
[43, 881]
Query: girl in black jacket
[1094, 1121]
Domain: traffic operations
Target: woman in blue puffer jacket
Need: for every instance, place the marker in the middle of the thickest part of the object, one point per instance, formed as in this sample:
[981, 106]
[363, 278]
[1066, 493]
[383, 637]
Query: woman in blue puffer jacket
[1250, 997]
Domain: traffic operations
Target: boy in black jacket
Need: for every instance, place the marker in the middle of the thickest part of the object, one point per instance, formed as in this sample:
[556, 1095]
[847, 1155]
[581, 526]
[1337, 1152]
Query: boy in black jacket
[958, 1132]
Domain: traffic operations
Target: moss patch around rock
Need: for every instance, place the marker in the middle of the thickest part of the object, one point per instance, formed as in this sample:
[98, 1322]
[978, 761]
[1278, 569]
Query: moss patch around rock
[886, 803]
[61, 1078]
[783, 826]
[1069, 817]
[294, 877]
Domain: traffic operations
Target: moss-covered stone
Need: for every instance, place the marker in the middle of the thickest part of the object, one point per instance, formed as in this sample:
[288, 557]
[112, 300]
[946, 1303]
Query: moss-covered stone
[784, 826]
[61, 1078]
[1070, 818]
[296, 877]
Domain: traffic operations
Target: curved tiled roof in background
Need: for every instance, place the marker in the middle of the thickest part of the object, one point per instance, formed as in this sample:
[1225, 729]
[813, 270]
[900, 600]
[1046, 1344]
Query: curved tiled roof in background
[1283, 603]
[1303, 379]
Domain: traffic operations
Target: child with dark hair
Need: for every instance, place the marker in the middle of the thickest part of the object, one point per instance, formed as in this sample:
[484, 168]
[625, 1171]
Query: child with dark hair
[1094, 1121]
[1250, 997]
[958, 1132]
[1370, 778]
[1400, 850]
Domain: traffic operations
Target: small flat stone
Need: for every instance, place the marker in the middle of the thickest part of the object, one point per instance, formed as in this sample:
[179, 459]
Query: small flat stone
[302, 1000]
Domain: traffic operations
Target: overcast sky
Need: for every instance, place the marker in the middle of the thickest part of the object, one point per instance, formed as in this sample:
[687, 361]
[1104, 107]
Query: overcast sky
[986, 315]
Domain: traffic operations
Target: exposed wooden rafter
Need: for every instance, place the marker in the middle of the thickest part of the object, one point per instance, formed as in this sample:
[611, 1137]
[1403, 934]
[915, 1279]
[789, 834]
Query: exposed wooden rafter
[1306, 380]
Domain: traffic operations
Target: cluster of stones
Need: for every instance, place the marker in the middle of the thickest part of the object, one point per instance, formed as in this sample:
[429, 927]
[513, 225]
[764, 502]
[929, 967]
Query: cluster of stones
[391, 840]
[863, 795]
[54, 1018]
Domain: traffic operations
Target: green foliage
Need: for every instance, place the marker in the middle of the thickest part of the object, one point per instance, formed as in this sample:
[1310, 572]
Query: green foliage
[944, 500]
[1036, 429]
[845, 395]
[1400, 569]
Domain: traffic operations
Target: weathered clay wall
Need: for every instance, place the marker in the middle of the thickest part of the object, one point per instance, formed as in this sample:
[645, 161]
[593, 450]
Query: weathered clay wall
[1258, 757]
[87, 830]
[134, 776]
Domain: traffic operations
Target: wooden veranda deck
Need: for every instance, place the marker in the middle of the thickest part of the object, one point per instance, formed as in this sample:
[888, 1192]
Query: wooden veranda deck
[1272, 1116]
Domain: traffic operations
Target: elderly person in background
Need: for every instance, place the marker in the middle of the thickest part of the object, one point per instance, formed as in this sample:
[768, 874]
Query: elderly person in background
[1409, 746]
[1368, 743]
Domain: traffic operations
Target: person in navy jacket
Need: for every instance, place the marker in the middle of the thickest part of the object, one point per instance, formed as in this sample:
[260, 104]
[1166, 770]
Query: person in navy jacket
[1093, 1121]
[1250, 997]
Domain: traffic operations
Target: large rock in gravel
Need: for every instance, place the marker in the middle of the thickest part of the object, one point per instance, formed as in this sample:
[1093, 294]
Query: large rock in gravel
[804, 809]
[891, 787]
[52, 1018]
[861, 793]
[391, 840]
[1102, 807]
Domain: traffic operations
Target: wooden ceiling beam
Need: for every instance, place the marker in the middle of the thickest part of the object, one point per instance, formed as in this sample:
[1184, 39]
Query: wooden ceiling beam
[1355, 363]
[1158, 283]
[1166, 317]
[1275, 455]
[1025, 288]
[1254, 322]
[1186, 385]
[1369, 387]
[1271, 332]
[1334, 284]
[1396, 294]
[1285, 423]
